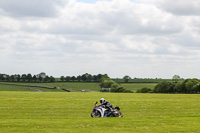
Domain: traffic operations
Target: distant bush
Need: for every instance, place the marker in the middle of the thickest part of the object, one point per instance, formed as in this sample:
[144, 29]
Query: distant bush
[187, 86]
[121, 89]
[107, 82]
[144, 90]
[164, 87]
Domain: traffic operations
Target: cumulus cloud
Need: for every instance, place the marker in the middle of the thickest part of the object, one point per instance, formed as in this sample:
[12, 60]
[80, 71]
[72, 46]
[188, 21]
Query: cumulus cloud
[122, 17]
[178, 7]
[29, 8]
[141, 38]
[182, 7]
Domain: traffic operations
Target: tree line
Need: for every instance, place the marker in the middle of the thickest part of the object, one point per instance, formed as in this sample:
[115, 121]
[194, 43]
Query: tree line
[188, 86]
[42, 77]
[81, 78]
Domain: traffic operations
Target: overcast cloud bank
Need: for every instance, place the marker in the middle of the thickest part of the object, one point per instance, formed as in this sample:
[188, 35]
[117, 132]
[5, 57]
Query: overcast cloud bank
[142, 38]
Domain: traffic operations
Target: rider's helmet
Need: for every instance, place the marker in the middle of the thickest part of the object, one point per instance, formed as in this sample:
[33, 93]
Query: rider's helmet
[102, 101]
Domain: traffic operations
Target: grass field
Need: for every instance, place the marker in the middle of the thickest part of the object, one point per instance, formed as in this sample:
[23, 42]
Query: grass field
[72, 86]
[31, 112]
[135, 86]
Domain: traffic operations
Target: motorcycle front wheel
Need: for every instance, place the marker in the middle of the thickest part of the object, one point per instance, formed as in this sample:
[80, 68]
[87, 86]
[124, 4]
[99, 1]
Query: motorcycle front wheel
[95, 114]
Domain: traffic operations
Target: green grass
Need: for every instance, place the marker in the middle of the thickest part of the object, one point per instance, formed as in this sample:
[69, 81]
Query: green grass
[135, 86]
[22, 112]
[12, 88]
[72, 86]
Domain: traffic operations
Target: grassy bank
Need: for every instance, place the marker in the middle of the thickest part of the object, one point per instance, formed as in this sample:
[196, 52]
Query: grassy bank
[72, 86]
[70, 112]
[135, 86]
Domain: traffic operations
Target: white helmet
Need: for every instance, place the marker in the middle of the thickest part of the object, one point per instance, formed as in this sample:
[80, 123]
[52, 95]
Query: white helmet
[102, 101]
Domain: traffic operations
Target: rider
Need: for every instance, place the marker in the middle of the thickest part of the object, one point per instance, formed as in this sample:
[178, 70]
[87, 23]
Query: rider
[107, 105]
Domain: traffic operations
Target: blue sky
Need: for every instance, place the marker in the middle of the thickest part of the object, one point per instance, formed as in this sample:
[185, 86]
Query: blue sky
[141, 38]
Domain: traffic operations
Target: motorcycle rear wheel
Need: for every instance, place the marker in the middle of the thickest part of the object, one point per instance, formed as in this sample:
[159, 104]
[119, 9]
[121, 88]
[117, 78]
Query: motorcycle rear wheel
[119, 114]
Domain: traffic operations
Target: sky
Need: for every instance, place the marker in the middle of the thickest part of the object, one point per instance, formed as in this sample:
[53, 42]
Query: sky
[138, 38]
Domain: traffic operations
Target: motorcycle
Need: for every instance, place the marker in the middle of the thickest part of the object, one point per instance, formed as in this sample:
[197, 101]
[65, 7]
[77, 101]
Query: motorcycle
[101, 111]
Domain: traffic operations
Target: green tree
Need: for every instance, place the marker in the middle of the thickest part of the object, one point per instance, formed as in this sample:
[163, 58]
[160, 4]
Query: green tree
[99, 76]
[86, 77]
[126, 78]
[29, 77]
[145, 90]
[47, 79]
[190, 85]
[40, 78]
[95, 78]
[12, 78]
[7, 78]
[24, 77]
[164, 87]
[179, 88]
[106, 82]
[1, 77]
[196, 88]
[73, 78]
[42, 74]
[89, 78]
[34, 78]
[79, 78]
[67, 78]
[18, 78]
[52, 79]
[62, 78]
[175, 78]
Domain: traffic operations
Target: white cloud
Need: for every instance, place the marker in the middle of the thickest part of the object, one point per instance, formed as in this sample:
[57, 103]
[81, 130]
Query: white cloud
[119, 37]
[29, 8]
[178, 7]
[182, 7]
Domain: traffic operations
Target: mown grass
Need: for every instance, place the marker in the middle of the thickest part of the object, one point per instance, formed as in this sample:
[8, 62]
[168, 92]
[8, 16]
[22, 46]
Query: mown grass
[72, 86]
[70, 112]
[12, 88]
[135, 86]
[15, 87]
